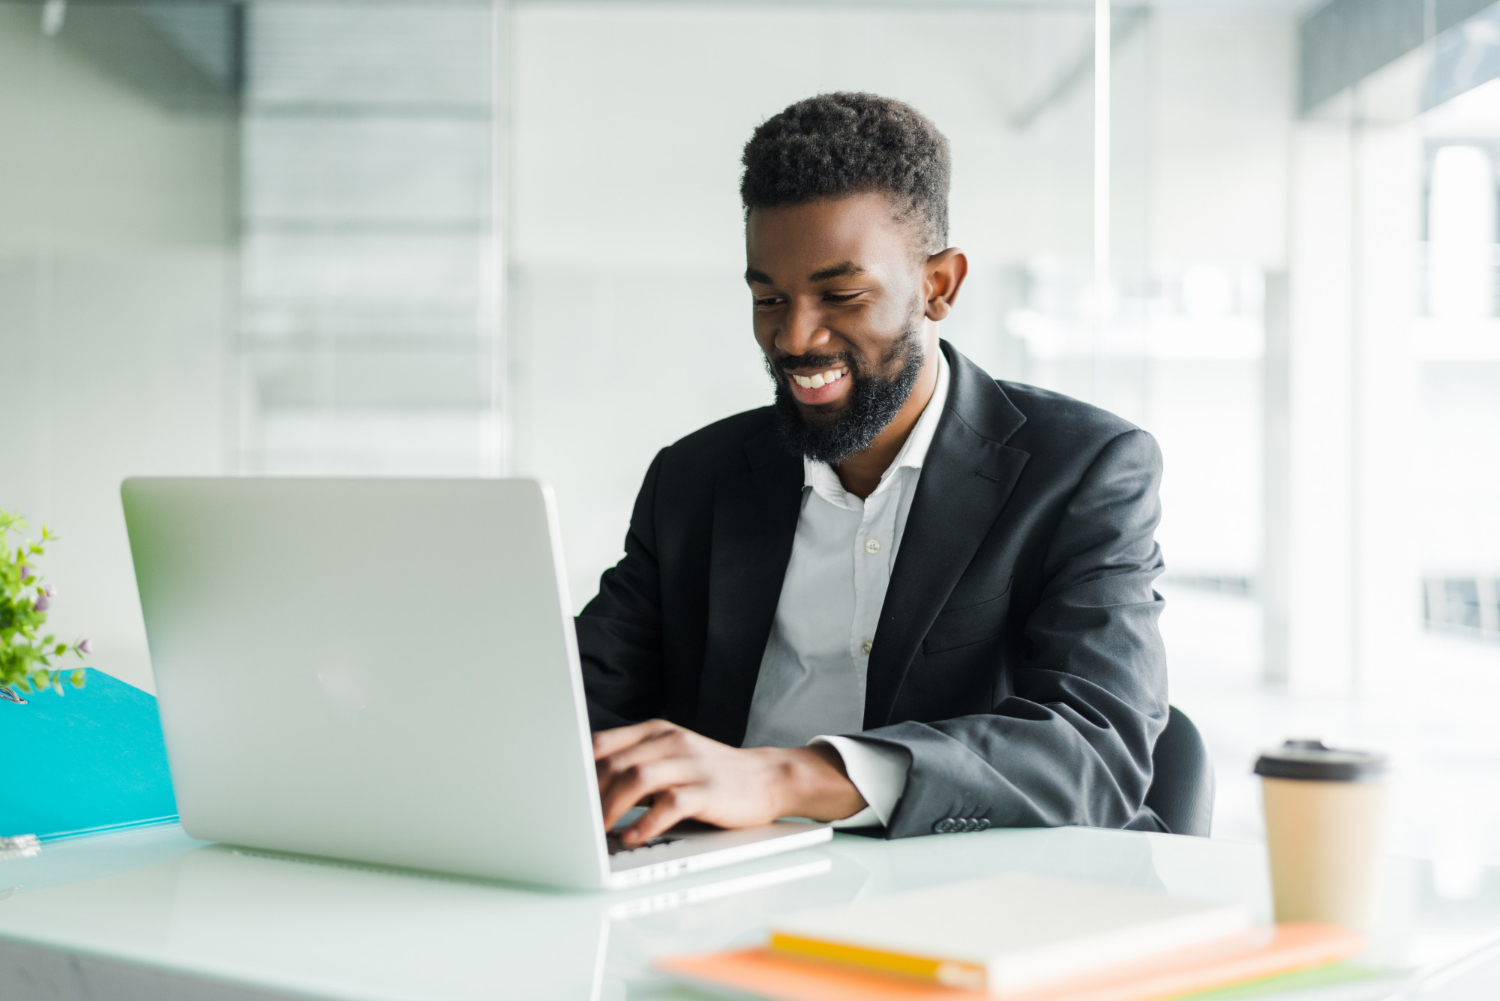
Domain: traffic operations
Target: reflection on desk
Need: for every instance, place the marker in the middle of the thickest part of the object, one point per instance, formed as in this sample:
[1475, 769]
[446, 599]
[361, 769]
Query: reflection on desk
[146, 909]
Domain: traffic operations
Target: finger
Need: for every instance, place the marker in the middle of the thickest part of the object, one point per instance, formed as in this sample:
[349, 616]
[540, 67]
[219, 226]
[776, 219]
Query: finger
[670, 807]
[607, 742]
[649, 751]
[643, 779]
[629, 787]
[671, 743]
[637, 772]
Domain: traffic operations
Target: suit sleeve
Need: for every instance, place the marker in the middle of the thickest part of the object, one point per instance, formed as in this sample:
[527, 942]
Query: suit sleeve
[619, 631]
[1072, 743]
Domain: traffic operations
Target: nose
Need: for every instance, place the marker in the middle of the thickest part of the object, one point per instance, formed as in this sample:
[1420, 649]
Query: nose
[802, 331]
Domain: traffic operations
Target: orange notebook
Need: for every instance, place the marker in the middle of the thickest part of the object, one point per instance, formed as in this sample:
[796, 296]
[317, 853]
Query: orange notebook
[1262, 953]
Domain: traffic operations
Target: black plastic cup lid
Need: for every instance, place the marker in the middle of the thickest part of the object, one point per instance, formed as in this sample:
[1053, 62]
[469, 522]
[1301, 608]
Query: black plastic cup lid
[1311, 759]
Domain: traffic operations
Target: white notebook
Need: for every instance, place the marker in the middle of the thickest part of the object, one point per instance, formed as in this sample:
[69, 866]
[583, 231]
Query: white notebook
[1008, 934]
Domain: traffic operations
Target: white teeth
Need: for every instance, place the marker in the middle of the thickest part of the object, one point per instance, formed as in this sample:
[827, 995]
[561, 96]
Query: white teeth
[819, 380]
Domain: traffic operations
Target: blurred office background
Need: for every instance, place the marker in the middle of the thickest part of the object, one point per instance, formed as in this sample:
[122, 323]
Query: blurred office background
[480, 238]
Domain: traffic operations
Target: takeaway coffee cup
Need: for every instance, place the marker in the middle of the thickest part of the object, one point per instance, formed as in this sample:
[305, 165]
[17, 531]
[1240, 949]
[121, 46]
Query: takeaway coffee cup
[1325, 830]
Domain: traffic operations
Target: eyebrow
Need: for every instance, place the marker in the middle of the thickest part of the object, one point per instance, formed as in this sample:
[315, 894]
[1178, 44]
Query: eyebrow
[844, 269]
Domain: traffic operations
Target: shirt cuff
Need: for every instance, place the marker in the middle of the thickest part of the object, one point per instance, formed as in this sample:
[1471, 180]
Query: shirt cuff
[878, 772]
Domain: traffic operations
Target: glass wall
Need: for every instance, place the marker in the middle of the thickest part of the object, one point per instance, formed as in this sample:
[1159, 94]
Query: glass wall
[119, 260]
[240, 238]
[369, 277]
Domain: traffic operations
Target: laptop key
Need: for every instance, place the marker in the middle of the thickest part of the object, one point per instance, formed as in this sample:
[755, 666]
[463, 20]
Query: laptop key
[619, 847]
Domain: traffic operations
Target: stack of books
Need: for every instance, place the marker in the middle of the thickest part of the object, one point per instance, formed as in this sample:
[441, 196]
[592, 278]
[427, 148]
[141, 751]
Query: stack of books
[1019, 938]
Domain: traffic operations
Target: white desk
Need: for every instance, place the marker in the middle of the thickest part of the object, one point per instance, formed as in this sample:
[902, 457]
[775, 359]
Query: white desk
[156, 915]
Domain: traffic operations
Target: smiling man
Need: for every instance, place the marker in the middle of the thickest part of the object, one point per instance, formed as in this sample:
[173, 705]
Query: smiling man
[905, 596]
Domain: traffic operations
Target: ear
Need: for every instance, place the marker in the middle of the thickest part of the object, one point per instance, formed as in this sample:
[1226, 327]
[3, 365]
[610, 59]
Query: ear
[945, 273]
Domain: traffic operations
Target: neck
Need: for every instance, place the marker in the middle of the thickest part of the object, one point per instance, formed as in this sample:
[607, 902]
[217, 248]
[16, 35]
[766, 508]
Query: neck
[860, 473]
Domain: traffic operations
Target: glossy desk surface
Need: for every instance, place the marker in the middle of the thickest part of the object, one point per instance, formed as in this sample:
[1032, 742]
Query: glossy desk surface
[159, 900]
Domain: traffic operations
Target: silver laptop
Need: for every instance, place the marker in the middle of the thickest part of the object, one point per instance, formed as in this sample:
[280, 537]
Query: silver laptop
[386, 671]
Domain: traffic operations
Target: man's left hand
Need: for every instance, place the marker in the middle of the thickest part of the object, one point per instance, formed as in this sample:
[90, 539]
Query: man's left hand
[685, 774]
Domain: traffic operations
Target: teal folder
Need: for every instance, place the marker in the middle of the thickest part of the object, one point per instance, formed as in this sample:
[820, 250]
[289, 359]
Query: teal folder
[85, 762]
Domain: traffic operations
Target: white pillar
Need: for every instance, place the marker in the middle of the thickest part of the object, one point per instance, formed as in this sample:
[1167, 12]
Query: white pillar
[1343, 584]
[1314, 538]
[1385, 577]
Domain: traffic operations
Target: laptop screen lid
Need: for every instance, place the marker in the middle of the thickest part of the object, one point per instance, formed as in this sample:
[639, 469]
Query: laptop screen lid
[381, 670]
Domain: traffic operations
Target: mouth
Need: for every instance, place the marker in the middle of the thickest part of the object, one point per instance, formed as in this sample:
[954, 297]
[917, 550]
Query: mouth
[815, 388]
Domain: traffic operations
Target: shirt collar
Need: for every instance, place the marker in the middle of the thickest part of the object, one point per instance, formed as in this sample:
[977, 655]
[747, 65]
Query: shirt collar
[825, 481]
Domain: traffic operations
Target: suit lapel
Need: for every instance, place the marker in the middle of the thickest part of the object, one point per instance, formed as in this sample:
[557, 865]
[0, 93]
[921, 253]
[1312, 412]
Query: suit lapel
[967, 477]
[756, 506]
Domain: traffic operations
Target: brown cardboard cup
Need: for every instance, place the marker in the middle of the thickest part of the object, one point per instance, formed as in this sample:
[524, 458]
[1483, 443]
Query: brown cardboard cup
[1325, 831]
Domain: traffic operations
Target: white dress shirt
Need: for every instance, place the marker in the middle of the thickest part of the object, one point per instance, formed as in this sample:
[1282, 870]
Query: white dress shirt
[812, 675]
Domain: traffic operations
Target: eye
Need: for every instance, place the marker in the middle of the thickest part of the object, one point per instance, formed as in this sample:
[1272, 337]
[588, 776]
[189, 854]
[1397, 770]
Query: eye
[840, 297]
[767, 301]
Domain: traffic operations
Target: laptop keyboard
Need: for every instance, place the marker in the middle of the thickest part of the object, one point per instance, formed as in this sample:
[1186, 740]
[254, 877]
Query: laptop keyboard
[619, 847]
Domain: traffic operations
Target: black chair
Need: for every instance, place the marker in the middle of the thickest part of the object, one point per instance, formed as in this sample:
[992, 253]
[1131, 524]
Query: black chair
[1182, 778]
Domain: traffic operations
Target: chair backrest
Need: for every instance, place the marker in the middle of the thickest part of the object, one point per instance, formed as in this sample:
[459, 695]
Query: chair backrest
[1182, 778]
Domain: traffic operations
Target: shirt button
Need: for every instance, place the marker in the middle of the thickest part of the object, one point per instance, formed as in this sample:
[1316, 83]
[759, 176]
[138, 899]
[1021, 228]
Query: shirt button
[866, 647]
[872, 546]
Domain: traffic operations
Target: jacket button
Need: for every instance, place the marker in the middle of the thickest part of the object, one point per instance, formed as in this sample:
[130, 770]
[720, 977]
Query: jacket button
[943, 826]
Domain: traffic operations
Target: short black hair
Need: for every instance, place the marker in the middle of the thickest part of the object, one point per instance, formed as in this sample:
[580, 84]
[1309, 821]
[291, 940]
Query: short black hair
[846, 143]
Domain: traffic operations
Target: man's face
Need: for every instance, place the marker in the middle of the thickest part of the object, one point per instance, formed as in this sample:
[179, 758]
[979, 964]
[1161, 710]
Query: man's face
[838, 309]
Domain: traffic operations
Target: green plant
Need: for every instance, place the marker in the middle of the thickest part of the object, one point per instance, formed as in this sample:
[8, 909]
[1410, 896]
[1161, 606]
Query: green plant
[26, 656]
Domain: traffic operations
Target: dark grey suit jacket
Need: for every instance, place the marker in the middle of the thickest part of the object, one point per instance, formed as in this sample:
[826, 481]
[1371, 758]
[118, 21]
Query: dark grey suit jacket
[1017, 660]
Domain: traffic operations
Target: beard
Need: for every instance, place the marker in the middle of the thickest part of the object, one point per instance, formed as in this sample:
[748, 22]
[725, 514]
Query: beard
[874, 400]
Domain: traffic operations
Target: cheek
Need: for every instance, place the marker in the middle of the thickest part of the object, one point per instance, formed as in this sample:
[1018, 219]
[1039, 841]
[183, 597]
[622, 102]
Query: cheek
[893, 316]
[763, 325]
[888, 315]
[875, 328]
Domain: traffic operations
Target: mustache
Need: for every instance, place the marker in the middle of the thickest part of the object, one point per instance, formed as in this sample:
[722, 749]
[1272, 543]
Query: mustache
[781, 364]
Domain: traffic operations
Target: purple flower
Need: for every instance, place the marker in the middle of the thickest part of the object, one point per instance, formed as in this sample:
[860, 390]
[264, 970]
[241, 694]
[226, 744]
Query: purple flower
[26, 572]
[41, 604]
[84, 646]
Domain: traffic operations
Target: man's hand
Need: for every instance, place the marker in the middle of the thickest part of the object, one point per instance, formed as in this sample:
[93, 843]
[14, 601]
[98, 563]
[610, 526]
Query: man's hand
[687, 775]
